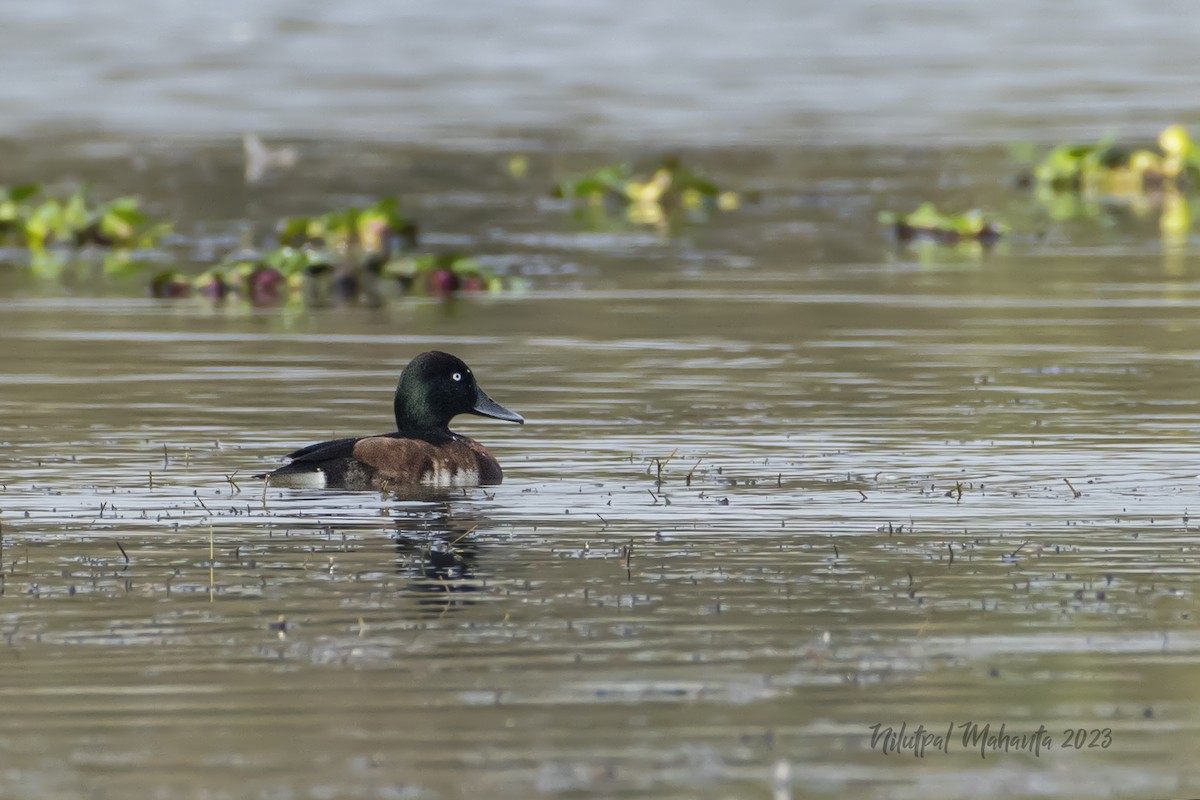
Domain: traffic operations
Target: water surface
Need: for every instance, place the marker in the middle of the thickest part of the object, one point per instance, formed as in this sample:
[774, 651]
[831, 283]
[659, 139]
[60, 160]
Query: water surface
[709, 73]
[894, 489]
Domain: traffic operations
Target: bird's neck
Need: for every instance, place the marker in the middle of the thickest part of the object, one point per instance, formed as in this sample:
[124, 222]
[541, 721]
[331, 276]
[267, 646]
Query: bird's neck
[416, 420]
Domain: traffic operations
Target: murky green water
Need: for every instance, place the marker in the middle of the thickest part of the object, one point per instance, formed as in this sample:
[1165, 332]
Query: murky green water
[864, 515]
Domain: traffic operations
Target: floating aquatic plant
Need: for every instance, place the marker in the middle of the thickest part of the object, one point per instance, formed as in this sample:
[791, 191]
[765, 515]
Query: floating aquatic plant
[72, 232]
[27, 220]
[670, 189]
[14, 209]
[376, 229]
[352, 253]
[445, 273]
[343, 247]
[1108, 168]
[318, 277]
[927, 223]
[1091, 181]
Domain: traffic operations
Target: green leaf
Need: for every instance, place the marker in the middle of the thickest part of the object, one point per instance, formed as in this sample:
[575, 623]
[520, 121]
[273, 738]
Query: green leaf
[21, 192]
[293, 231]
[926, 216]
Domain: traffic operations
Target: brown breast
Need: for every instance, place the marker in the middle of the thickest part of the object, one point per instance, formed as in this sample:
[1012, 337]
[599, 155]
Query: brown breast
[411, 462]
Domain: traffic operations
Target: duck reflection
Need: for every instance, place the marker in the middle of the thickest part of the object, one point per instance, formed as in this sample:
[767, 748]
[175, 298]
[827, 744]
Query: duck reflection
[437, 554]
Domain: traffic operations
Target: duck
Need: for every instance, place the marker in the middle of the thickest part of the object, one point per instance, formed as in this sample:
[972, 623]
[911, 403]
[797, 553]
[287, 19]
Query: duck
[433, 389]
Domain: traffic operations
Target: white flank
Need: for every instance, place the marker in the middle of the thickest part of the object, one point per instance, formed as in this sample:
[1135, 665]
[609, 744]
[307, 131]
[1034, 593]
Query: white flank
[441, 475]
[299, 480]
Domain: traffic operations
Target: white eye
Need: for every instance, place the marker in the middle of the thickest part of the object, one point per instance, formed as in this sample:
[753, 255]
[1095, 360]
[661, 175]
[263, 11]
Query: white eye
[457, 376]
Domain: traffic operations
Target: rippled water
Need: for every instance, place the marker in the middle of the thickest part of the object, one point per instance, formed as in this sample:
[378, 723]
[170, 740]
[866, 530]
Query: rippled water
[893, 490]
[706, 72]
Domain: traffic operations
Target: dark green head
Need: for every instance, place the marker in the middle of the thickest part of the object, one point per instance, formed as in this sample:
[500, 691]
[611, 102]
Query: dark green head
[435, 388]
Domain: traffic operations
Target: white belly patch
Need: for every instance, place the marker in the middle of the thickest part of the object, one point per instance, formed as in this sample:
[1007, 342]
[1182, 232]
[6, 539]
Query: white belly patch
[443, 474]
[314, 479]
